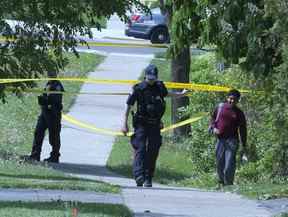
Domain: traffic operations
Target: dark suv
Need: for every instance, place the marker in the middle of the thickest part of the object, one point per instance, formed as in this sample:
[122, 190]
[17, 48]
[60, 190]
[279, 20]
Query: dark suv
[148, 26]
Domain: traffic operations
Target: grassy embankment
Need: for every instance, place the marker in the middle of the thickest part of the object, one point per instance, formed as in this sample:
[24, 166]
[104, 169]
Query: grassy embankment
[56, 209]
[18, 119]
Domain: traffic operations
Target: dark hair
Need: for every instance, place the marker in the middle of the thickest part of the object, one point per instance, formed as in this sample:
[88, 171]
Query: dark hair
[235, 93]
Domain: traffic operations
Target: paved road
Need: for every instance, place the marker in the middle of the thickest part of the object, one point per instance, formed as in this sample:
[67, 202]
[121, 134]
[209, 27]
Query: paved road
[115, 34]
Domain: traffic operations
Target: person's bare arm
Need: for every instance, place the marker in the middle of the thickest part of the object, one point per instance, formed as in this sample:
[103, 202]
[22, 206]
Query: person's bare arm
[125, 128]
[177, 94]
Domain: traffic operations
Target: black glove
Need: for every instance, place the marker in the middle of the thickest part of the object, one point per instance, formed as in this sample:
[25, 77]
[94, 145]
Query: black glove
[42, 100]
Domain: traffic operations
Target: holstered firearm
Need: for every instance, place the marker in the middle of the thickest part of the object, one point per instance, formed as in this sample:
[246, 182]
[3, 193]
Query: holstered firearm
[136, 119]
[43, 100]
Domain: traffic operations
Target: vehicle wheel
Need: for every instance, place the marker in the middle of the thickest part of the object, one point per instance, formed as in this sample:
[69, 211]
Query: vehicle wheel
[159, 35]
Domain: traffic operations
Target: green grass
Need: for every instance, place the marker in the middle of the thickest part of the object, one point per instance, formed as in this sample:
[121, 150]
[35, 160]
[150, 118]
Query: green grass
[282, 215]
[18, 116]
[174, 166]
[16, 175]
[18, 119]
[81, 185]
[59, 208]
[262, 191]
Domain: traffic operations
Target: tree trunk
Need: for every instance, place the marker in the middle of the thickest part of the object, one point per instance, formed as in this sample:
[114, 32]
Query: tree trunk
[162, 7]
[180, 66]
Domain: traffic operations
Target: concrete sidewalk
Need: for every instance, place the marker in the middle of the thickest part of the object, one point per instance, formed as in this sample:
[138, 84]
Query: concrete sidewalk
[172, 201]
[85, 154]
[82, 146]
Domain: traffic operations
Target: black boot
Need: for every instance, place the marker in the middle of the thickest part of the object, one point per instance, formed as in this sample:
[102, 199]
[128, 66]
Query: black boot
[52, 159]
[148, 182]
[139, 181]
[30, 158]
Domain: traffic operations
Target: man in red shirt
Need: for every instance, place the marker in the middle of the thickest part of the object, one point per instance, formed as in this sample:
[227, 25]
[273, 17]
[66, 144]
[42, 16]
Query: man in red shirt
[228, 123]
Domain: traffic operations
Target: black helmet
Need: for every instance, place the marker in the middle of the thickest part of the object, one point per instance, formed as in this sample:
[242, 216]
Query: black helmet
[151, 72]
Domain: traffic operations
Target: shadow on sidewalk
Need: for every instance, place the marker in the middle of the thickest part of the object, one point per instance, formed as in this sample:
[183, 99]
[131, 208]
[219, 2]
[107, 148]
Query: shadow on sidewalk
[150, 214]
[93, 171]
[162, 175]
[84, 169]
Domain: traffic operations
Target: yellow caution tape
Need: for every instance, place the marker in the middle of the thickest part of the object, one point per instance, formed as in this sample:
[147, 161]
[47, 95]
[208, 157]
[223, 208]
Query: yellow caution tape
[72, 120]
[88, 80]
[40, 91]
[131, 45]
[197, 87]
[107, 44]
[182, 123]
[171, 85]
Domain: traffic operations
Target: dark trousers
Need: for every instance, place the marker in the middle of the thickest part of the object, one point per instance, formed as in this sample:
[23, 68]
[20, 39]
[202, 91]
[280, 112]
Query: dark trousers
[50, 120]
[226, 150]
[146, 142]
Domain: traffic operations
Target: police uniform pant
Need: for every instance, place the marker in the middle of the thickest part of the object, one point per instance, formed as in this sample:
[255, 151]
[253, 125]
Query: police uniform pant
[50, 120]
[146, 142]
[226, 150]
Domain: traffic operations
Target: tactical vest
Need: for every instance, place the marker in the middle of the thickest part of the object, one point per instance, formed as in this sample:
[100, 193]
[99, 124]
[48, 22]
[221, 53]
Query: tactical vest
[151, 104]
[54, 99]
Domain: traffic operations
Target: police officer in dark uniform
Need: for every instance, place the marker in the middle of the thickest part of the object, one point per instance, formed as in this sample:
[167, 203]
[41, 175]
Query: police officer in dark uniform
[50, 117]
[147, 124]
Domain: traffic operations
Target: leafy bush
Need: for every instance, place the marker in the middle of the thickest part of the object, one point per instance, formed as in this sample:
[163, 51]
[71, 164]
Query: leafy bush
[255, 104]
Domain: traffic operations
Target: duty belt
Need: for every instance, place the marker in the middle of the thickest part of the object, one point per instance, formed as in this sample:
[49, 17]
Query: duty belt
[147, 120]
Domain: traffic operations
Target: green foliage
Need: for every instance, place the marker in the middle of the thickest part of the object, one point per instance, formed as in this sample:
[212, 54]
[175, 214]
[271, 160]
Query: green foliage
[253, 34]
[263, 136]
[154, 4]
[35, 43]
[278, 87]
[260, 191]
[185, 25]
[243, 29]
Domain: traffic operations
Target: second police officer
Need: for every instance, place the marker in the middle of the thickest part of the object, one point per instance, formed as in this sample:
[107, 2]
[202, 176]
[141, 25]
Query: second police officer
[146, 140]
[49, 118]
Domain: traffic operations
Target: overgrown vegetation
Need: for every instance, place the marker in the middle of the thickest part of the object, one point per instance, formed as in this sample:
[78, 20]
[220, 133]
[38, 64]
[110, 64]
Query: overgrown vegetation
[191, 161]
[252, 35]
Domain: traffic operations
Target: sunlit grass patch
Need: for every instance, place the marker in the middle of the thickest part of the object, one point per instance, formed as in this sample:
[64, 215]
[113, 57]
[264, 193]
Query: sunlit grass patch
[60, 208]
